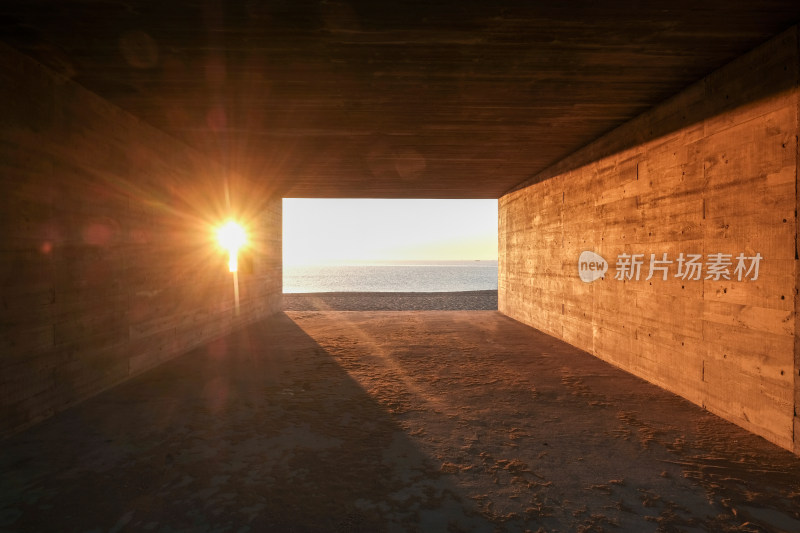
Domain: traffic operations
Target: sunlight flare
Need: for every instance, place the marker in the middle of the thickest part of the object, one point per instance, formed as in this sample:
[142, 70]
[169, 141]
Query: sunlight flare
[232, 237]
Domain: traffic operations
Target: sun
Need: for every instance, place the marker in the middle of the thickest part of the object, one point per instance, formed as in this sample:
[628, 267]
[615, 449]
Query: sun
[232, 237]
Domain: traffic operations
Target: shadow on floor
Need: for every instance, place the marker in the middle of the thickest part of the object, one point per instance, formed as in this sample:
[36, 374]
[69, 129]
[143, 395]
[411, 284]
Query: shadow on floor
[393, 421]
[261, 430]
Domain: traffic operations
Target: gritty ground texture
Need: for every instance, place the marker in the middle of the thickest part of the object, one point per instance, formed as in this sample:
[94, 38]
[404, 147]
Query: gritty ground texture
[391, 301]
[392, 421]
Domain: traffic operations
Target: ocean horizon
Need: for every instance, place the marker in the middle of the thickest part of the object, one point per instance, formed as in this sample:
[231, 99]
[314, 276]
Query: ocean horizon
[392, 276]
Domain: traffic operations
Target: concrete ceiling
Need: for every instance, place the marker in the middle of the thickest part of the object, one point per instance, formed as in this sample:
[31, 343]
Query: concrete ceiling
[374, 98]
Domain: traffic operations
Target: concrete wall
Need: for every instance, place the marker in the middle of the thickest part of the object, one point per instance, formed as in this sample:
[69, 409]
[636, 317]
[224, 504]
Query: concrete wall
[108, 264]
[712, 170]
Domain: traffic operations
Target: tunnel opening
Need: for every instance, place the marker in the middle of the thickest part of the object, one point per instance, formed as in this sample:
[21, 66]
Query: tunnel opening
[395, 254]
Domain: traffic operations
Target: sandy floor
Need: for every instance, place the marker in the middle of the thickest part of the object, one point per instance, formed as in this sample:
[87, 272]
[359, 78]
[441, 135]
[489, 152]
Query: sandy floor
[387, 421]
[391, 301]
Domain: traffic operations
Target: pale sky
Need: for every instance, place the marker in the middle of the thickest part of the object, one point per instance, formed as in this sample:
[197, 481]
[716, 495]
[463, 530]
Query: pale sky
[319, 231]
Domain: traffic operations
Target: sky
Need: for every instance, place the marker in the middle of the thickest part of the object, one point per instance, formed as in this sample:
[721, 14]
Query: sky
[326, 231]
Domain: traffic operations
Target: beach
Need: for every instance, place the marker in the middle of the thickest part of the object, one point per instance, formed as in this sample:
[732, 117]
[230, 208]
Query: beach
[392, 301]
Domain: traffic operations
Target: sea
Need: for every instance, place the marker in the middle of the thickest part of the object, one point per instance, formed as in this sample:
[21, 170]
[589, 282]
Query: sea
[392, 276]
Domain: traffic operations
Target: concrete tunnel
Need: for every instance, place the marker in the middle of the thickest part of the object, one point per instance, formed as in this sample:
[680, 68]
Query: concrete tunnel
[661, 139]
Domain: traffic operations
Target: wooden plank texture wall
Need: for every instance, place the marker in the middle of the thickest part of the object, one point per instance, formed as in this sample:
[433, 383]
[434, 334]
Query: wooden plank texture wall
[108, 262]
[712, 170]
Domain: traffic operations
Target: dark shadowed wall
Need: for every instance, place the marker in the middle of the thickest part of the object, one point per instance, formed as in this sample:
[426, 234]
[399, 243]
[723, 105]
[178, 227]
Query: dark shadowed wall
[109, 264]
[712, 170]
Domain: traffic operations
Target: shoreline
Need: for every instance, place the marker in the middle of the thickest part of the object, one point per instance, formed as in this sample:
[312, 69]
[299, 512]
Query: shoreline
[485, 300]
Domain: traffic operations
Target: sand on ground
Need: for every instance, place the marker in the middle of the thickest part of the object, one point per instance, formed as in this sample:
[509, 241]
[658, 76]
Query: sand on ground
[392, 421]
[391, 301]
